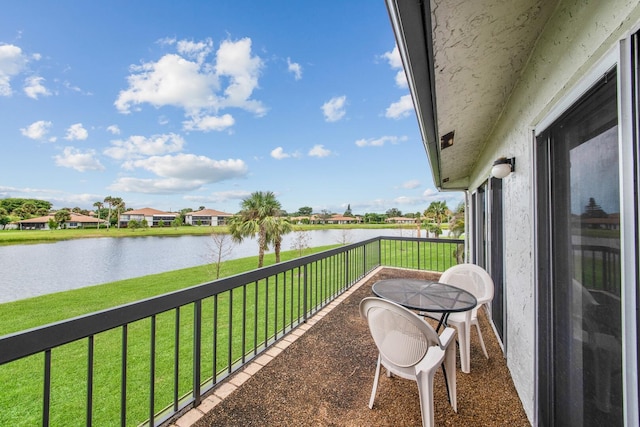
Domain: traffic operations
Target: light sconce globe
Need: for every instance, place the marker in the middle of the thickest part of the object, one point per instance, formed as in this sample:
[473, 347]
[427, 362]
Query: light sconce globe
[502, 167]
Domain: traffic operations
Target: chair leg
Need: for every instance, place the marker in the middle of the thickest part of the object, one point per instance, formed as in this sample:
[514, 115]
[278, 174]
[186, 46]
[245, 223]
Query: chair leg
[464, 335]
[450, 375]
[375, 384]
[484, 349]
[425, 390]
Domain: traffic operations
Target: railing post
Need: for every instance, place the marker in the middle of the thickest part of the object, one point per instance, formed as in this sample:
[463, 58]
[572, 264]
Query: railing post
[197, 350]
[305, 293]
[346, 268]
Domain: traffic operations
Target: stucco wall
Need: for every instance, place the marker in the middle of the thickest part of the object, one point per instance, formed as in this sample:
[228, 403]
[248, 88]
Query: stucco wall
[579, 34]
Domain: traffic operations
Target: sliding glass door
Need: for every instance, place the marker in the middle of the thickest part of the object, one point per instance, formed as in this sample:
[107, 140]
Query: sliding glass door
[579, 295]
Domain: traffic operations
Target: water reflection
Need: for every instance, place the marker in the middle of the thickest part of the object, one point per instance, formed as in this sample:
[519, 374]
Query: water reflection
[32, 270]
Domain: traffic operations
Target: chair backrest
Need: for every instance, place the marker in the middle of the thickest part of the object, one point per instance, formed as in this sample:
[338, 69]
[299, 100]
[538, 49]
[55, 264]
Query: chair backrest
[401, 336]
[471, 278]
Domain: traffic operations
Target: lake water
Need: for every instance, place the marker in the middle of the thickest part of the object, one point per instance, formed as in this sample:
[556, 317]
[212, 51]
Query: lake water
[31, 270]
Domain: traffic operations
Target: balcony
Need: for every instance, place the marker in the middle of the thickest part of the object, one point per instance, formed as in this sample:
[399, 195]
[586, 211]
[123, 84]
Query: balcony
[282, 345]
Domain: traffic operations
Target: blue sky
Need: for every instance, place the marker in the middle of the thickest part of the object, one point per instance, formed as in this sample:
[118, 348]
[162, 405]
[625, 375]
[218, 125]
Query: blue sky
[176, 105]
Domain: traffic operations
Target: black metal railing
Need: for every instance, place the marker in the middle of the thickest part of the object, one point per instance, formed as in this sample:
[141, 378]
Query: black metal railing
[146, 362]
[599, 268]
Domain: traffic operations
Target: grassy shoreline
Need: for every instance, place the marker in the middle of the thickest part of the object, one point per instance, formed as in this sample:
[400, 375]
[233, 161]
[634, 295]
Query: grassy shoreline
[44, 309]
[19, 237]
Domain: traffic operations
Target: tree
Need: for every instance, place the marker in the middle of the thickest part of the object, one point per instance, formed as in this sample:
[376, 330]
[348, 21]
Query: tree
[324, 215]
[593, 210]
[437, 212]
[276, 228]
[345, 236]
[98, 206]
[222, 247]
[250, 220]
[119, 206]
[4, 218]
[177, 222]
[373, 218]
[457, 228]
[305, 211]
[61, 217]
[133, 224]
[109, 201]
[457, 223]
[301, 241]
[393, 212]
[52, 224]
[348, 211]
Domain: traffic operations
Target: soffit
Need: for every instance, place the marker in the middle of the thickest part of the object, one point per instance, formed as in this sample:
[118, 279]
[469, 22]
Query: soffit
[480, 49]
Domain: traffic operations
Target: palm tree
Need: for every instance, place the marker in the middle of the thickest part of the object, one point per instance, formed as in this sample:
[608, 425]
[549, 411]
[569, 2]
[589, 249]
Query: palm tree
[251, 220]
[119, 206]
[98, 206]
[276, 228]
[437, 211]
[457, 228]
[61, 217]
[109, 201]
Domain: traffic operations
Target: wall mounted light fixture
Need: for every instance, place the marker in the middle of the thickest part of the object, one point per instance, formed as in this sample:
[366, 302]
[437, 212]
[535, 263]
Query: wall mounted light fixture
[503, 167]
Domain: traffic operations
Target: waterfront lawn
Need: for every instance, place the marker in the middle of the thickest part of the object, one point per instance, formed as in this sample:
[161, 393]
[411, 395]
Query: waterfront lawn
[21, 402]
[256, 313]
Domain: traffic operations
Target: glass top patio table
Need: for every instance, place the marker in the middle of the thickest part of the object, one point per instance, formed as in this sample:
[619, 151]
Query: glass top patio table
[425, 295]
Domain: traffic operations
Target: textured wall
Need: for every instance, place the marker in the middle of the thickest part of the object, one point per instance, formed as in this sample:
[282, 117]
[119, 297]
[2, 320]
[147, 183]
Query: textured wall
[577, 36]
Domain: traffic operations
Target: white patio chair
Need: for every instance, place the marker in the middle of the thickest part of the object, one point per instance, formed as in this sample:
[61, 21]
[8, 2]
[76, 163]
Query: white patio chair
[477, 281]
[410, 348]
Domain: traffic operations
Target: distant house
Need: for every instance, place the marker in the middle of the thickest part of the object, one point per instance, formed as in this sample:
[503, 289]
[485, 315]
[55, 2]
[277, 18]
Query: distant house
[152, 216]
[207, 217]
[76, 221]
[339, 219]
[400, 220]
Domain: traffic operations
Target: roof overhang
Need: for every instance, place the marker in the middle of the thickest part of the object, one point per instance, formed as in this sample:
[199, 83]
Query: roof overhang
[463, 59]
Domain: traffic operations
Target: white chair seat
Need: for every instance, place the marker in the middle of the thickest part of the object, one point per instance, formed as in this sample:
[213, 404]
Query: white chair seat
[476, 280]
[410, 348]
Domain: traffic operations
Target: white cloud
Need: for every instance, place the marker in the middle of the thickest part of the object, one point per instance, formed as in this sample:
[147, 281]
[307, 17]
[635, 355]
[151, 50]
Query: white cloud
[430, 193]
[393, 57]
[186, 80]
[36, 130]
[137, 146]
[319, 151]
[114, 129]
[400, 109]
[295, 68]
[12, 63]
[379, 142]
[410, 185]
[191, 167]
[76, 132]
[279, 154]
[195, 50]
[394, 60]
[33, 87]
[153, 186]
[334, 109]
[180, 173]
[220, 196]
[78, 160]
[208, 123]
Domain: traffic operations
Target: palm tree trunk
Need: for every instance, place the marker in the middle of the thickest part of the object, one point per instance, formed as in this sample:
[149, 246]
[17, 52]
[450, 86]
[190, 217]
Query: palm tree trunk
[277, 246]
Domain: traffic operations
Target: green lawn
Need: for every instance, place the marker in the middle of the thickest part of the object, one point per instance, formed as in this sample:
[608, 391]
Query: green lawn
[257, 309]
[13, 237]
[17, 403]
